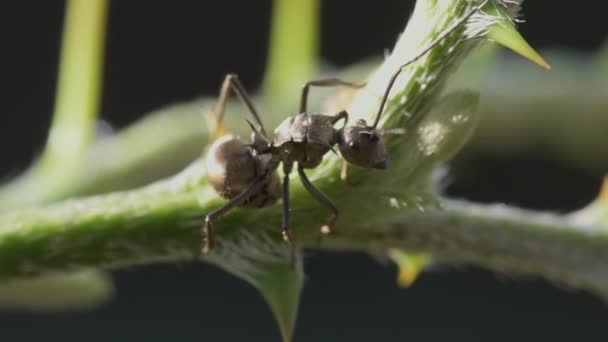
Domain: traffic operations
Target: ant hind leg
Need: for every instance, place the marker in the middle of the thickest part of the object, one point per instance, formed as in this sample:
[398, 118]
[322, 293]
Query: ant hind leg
[212, 217]
[215, 117]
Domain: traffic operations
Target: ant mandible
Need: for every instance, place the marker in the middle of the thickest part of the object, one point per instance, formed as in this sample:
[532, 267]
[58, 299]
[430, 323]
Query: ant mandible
[245, 174]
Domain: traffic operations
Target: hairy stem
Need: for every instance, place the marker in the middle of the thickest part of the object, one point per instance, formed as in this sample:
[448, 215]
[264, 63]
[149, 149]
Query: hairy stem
[162, 223]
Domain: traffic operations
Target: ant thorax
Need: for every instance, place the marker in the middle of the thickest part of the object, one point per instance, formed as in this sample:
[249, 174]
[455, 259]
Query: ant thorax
[305, 139]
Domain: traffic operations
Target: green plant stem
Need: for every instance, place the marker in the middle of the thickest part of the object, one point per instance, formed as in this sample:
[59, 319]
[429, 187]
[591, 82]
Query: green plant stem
[500, 238]
[57, 292]
[71, 134]
[76, 108]
[78, 90]
[293, 56]
[559, 114]
[81, 222]
[162, 223]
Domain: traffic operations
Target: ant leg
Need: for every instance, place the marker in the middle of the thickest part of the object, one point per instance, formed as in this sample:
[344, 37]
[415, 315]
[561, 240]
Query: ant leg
[344, 172]
[232, 82]
[285, 226]
[327, 82]
[424, 51]
[321, 197]
[213, 216]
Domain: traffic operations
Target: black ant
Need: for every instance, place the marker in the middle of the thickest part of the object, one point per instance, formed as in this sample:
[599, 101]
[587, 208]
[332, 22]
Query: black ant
[245, 174]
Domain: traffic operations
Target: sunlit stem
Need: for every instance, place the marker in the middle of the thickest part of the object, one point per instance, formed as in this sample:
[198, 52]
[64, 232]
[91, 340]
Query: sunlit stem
[79, 84]
[294, 47]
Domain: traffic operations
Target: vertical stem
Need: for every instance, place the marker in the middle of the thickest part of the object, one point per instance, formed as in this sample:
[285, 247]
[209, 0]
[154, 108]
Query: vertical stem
[294, 45]
[78, 88]
[72, 130]
[76, 107]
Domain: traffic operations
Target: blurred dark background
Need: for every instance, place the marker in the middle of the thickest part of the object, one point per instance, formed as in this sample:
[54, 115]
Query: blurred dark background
[159, 52]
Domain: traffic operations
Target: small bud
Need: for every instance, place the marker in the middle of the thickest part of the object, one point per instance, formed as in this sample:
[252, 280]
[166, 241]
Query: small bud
[410, 265]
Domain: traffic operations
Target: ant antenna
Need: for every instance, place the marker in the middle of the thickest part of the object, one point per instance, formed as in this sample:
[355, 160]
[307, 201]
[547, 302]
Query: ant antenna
[420, 54]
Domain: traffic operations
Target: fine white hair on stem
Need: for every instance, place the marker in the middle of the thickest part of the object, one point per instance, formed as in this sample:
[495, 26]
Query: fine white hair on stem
[480, 22]
[244, 253]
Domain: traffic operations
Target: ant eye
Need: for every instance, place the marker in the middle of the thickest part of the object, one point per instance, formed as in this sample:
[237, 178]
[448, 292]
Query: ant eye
[353, 146]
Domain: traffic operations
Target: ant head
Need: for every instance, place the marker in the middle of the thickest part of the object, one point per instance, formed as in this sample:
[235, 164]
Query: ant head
[362, 145]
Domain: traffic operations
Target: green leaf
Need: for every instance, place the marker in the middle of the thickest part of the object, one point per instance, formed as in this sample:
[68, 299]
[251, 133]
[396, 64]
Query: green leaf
[281, 285]
[449, 125]
[272, 267]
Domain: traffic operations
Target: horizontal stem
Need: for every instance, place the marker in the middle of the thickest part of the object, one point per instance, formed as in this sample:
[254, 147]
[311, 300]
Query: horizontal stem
[131, 227]
[497, 237]
[559, 114]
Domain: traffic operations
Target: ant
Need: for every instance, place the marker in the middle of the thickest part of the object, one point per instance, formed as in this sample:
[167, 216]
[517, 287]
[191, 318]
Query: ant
[245, 174]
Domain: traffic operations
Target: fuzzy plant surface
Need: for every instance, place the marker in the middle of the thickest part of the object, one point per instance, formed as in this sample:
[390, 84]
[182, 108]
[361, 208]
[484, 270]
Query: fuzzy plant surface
[388, 212]
[162, 221]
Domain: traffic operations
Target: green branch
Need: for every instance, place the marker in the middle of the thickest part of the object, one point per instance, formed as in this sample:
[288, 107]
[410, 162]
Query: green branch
[162, 222]
[294, 47]
[76, 108]
[498, 237]
[71, 134]
[433, 69]
[559, 114]
[79, 85]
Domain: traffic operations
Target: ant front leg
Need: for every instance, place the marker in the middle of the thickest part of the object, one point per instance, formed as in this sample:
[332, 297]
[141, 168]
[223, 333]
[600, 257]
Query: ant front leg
[321, 197]
[232, 82]
[328, 82]
[213, 216]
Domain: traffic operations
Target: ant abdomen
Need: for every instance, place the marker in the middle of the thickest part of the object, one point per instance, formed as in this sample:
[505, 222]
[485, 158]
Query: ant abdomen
[232, 167]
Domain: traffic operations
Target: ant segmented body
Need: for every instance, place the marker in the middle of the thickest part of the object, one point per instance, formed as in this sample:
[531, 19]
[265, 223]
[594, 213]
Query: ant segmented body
[245, 174]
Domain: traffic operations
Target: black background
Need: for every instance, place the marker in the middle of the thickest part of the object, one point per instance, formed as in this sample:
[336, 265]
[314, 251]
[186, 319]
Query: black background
[160, 52]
